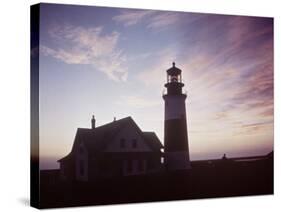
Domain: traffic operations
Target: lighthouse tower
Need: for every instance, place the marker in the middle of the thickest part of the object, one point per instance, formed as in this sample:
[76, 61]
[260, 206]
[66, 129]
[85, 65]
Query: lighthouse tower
[175, 126]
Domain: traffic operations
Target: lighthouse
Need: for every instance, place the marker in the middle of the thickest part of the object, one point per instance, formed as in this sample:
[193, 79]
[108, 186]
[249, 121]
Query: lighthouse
[175, 126]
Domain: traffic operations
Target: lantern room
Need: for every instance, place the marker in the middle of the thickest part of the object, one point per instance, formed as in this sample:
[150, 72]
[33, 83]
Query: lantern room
[174, 74]
[174, 81]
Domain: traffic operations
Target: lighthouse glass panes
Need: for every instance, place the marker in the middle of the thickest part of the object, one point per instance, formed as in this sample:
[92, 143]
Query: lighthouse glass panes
[174, 78]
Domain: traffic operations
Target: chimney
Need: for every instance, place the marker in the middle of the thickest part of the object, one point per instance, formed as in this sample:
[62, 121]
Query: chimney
[93, 122]
[114, 119]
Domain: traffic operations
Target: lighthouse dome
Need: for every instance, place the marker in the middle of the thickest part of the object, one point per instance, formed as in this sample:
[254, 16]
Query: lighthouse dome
[174, 71]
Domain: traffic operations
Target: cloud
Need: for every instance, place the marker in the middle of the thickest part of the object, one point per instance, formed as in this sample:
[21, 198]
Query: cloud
[138, 102]
[163, 19]
[132, 17]
[256, 124]
[156, 74]
[257, 127]
[80, 45]
[228, 73]
[153, 19]
[236, 75]
[227, 64]
[241, 67]
[221, 115]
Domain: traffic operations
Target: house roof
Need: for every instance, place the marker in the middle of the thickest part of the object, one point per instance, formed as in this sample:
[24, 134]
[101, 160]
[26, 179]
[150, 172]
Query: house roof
[96, 139]
[153, 140]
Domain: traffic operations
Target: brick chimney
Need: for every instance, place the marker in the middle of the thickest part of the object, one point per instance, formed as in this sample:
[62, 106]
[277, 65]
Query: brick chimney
[93, 122]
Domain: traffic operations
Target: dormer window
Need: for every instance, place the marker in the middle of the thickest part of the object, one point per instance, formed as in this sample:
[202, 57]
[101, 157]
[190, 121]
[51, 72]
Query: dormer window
[134, 144]
[122, 143]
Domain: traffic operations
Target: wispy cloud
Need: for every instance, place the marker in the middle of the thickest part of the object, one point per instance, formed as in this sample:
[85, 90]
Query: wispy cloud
[164, 19]
[156, 75]
[228, 73]
[80, 45]
[254, 128]
[138, 102]
[132, 17]
[152, 19]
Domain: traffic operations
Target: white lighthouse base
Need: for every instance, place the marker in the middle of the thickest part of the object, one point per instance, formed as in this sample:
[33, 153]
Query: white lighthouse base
[177, 160]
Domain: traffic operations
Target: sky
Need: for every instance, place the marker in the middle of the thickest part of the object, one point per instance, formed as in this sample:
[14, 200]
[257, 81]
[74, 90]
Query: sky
[112, 62]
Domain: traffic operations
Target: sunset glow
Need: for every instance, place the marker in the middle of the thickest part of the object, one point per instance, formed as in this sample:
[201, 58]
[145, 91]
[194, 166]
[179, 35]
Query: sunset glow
[112, 62]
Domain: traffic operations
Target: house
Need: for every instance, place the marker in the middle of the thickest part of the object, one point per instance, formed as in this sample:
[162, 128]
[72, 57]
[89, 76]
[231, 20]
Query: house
[115, 149]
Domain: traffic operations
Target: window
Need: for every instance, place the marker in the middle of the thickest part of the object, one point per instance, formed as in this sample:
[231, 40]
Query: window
[162, 159]
[122, 143]
[135, 144]
[82, 168]
[125, 167]
[174, 78]
[129, 166]
[140, 165]
[143, 165]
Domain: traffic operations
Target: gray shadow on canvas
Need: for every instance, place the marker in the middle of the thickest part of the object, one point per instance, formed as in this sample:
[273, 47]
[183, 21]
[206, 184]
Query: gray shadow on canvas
[24, 201]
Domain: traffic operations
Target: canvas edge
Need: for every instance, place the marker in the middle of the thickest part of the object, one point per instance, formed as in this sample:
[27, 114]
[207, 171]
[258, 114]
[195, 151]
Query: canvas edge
[34, 105]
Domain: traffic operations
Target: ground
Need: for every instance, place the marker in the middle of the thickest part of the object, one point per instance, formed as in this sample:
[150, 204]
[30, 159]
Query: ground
[223, 178]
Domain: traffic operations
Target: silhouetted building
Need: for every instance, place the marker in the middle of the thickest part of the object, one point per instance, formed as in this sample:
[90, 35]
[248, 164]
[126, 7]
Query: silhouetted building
[118, 148]
[175, 126]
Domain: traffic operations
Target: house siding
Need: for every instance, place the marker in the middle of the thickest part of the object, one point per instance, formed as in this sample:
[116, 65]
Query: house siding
[81, 162]
[67, 169]
[129, 134]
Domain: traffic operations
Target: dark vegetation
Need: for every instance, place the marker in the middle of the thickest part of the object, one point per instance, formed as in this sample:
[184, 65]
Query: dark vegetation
[206, 179]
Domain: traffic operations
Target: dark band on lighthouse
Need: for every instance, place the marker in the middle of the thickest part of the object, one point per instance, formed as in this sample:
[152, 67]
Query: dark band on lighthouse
[175, 126]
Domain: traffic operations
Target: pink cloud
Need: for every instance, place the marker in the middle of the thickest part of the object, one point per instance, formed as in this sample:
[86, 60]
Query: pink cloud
[80, 45]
